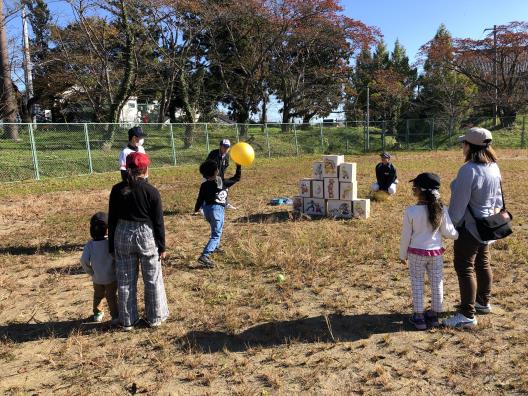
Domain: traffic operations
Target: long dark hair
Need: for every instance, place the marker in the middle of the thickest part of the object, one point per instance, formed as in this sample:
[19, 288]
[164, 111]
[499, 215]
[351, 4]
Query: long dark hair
[435, 208]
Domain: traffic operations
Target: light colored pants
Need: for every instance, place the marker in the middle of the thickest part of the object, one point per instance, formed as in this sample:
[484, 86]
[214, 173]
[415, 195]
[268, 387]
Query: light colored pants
[434, 266]
[135, 242]
[392, 189]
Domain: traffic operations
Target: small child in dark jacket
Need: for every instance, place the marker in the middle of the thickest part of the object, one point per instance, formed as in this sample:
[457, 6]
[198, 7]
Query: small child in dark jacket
[99, 264]
[386, 177]
[213, 196]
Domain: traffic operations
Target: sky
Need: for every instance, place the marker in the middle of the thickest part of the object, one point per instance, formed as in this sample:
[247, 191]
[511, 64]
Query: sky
[413, 22]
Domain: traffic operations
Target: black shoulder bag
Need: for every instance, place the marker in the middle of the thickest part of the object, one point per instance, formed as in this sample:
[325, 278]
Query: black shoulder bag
[497, 226]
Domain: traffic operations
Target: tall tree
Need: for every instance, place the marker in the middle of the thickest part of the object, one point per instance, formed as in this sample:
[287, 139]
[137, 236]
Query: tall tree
[498, 66]
[444, 94]
[8, 97]
[311, 67]
[241, 37]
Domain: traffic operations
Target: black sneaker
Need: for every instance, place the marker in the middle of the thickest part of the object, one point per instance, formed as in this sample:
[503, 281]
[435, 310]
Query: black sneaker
[432, 319]
[418, 322]
[206, 261]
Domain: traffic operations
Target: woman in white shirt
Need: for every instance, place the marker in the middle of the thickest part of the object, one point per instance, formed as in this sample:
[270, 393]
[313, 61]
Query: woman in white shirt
[424, 225]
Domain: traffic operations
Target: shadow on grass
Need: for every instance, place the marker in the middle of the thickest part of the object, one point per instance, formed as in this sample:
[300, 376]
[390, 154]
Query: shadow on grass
[75, 269]
[275, 217]
[333, 328]
[24, 332]
[41, 249]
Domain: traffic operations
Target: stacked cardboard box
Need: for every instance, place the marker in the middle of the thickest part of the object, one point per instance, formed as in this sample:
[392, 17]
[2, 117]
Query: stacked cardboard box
[331, 191]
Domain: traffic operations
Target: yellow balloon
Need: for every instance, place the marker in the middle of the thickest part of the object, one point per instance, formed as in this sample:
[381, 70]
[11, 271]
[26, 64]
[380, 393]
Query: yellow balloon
[242, 153]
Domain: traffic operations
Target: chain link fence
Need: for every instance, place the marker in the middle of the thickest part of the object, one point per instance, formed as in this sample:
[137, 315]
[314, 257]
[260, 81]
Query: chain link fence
[62, 150]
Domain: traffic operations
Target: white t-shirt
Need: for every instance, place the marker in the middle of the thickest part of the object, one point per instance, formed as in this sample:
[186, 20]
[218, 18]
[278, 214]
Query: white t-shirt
[124, 153]
[418, 232]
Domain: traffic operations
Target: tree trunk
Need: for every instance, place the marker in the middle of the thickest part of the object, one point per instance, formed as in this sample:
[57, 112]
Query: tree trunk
[125, 85]
[188, 136]
[10, 104]
[285, 127]
[264, 115]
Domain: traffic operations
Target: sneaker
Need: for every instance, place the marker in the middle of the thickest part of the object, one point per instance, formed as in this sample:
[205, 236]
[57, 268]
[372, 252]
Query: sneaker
[98, 317]
[418, 322]
[483, 309]
[219, 251]
[115, 322]
[127, 328]
[460, 321]
[156, 323]
[432, 319]
[206, 261]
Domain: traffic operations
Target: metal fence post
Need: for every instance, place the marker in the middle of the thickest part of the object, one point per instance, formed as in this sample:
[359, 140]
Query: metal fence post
[296, 142]
[88, 149]
[267, 139]
[432, 134]
[237, 133]
[322, 138]
[407, 133]
[173, 145]
[206, 137]
[34, 152]
[523, 131]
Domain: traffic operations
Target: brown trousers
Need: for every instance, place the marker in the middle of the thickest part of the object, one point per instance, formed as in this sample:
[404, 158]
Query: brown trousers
[110, 293]
[473, 267]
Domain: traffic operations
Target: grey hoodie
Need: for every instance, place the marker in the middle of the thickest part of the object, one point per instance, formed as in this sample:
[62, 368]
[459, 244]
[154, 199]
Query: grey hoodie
[98, 263]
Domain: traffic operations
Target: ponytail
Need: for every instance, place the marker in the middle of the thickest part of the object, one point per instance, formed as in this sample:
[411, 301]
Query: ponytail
[435, 207]
[132, 179]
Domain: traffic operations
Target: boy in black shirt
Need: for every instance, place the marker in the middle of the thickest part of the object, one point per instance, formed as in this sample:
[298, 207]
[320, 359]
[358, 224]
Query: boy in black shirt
[213, 196]
[386, 178]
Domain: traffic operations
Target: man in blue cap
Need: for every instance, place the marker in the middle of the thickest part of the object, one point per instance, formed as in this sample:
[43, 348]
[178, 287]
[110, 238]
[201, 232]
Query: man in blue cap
[136, 139]
[386, 178]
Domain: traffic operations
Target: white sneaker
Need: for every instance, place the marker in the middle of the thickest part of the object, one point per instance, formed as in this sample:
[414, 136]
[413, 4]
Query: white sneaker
[460, 321]
[483, 309]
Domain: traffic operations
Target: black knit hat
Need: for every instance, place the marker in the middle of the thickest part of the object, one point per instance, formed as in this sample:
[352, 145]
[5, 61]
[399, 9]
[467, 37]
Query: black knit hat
[427, 181]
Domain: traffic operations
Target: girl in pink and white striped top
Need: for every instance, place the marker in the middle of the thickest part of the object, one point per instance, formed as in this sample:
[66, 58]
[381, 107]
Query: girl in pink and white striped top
[424, 225]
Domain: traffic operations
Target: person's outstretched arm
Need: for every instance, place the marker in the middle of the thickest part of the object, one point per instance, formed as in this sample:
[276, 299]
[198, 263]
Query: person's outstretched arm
[235, 179]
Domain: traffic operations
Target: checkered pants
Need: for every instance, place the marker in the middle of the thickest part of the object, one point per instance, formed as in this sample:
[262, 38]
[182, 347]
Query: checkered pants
[434, 266]
[135, 242]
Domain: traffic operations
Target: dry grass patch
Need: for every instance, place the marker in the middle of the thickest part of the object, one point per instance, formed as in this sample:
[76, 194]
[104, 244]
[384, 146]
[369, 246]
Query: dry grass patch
[336, 325]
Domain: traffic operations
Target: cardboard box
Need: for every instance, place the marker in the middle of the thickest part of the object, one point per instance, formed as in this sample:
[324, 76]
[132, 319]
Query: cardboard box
[318, 188]
[348, 191]
[347, 172]
[361, 208]
[305, 188]
[331, 188]
[298, 204]
[317, 170]
[314, 207]
[331, 165]
[339, 209]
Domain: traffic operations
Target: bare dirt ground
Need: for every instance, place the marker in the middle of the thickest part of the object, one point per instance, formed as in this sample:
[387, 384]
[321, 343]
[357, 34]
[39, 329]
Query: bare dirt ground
[337, 325]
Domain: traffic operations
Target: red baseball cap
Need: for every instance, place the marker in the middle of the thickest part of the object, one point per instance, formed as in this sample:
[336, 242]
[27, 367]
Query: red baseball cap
[137, 161]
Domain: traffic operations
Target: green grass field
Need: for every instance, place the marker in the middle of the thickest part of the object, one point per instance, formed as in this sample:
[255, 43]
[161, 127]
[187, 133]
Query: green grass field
[338, 324]
[61, 149]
